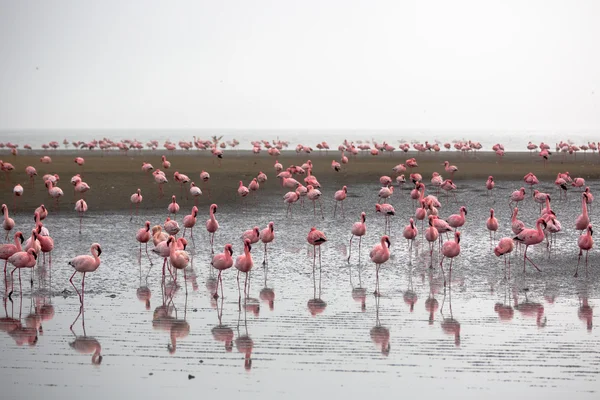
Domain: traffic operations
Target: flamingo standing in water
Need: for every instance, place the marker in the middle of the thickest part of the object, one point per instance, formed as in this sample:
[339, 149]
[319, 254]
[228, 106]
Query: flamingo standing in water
[585, 242]
[212, 225]
[244, 263]
[178, 258]
[290, 198]
[136, 199]
[583, 220]
[31, 173]
[81, 207]
[457, 220]
[316, 238]
[7, 250]
[160, 179]
[143, 236]
[339, 197]
[431, 235]
[450, 249]
[85, 264]
[8, 223]
[222, 261]
[22, 259]
[189, 221]
[489, 184]
[205, 177]
[358, 229]
[267, 235]
[195, 192]
[379, 255]
[54, 191]
[18, 192]
[450, 169]
[410, 233]
[530, 237]
[504, 247]
[242, 192]
[165, 163]
[173, 206]
[492, 224]
[516, 196]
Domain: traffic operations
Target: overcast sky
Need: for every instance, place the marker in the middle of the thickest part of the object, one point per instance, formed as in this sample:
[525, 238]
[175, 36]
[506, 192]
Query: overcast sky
[443, 64]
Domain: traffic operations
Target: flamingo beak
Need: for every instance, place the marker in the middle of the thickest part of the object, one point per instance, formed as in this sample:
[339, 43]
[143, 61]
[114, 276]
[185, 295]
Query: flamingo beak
[99, 251]
[249, 247]
[230, 249]
[389, 244]
[22, 238]
[34, 254]
[591, 231]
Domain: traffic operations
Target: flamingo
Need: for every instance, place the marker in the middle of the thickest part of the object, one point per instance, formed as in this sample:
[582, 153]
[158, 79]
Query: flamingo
[589, 198]
[143, 236]
[431, 235]
[19, 260]
[517, 196]
[242, 191]
[160, 179]
[136, 199]
[267, 235]
[340, 196]
[531, 180]
[385, 193]
[290, 198]
[31, 173]
[316, 238]
[358, 229]
[583, 220]
[189, 221]
[585, 242]
[504, 247]
[8, 223]
[336, 166]
[489, 184]
[54, 191]
[410, 233]
[7, 250]
[18, 192]
[314, 195]
[450, 169]
[165, 163]
[457, 220]
[530, 237]
[222, 261]
[516, 225]
[85, 264]
[387, 210]
[244, 263]
[173, 206]
[178, 258]
[379, 255]
[46, 243]
[492, 224]
[450, 249]
[147, 167]
[212, 225]
[171, 226]
[252, 234]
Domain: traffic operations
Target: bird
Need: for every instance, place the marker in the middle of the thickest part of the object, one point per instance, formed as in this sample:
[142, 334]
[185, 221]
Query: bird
[196, 192]
[18, 192]
[31, 173]
[450, 169]
[267, 235]
[385, 192]
[450, 249]
[431, 235]
[244, 263]
[585, 242]
[173, 206]
[339, 197]
[583, 220]
[143, 236]
[489, 184]
[165, 163]
[252, 234]
[358, 229]
[379, 254]
[516, 225]
[189, 221]
[504, 247]
[316, 238]
[492, 224]
[387, 210]
[410, 233]
[530, 237]
[136, 199]
[85, 264]
[178, 258]
[221, 262]
[7, 250]
[8, 223]
[516, 196]
[457, 220]
[290, 198]
[314, 195]
[20, 260]
[171, 226]
[336, 166]
[212, 225]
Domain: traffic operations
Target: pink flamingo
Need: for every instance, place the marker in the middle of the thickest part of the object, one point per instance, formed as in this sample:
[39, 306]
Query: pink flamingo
[160, 179]
[181, 179]
[358, 229]
[81, 187]
[336, 166]
[410, 233]
[222, 261]
[387, 210]
[340, 196]
[290, 198]
[489, 184]
[147, 167]
[589, 198]
[585, 242]
[173, 206]
[531, 180]
[578, 183]
[242, 191]
[492, 224]
[267, 235]
[189, 221]
[517, 225]
[178, 258]
[545, 154]
[583, 220]
[261, 177]
[136, 199]
[8, 223]
[205, 178]
[7, 250]
[516, 197]
[504, 247]
[212, 225]
[316, 238]
[166, 164]
[540, 198]
[253, 235]
[450, 249]
[171, 226]
[79, 161]
[163, 250]
[379, 255]
[31, 173]
[46, 243]
[42, 212]
[450, 169]
[530, 237]
[385, 193]
[314, 195]
[18, 192]
[244, 263]
[195, 192]
[457, 220]
[431, 235]
[143, 236]
[22, 259]
[81, 207]
[85, 264]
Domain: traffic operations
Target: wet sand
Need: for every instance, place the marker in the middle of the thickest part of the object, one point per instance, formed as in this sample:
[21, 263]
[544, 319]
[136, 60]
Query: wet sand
[113, 177]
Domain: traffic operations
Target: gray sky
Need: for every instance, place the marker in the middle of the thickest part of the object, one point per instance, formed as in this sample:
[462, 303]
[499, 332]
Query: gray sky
[439, 64]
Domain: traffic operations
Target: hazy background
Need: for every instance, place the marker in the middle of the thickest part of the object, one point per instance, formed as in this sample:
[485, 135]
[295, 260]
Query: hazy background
[337, 64]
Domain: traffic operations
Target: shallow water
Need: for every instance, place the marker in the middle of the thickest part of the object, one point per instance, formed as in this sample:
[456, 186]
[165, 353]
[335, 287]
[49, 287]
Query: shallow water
[483, 335]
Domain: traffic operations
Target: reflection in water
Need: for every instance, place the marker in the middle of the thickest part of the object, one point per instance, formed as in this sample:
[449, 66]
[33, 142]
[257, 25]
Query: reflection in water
[380, 335]
[143, 292]
[267, 294]
[450, 325]
[530, 309]
[409, 296]
[86, 344]
[244, 343]
[222, 333]
[585, 312]
[359, 294]
[315, 305]
[504, 308]
[432, 304]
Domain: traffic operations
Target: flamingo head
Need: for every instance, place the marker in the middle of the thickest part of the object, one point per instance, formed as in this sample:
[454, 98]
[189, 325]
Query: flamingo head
[590, 230]
[464, 209]
[20, 236]
[182, 242]
[522, 190]
[363, 217]
[3, 208]
[97, 359]
[194, 211]
[491, 178]
[229, 248]
[271, 226]
[457, 236]
[247, 244]
[147, 226]
[386, 239]
[345, 189]
[412, 223]
[213, 208]
[98, 249]
[256, 230]
[377, 208]
[491, 212]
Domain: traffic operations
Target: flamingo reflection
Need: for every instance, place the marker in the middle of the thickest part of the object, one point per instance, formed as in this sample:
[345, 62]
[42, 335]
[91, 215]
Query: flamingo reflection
[27, 334]
[409, 296]
[86, 344]
[585, 312]
[450, 325]
[380, 335]
[432, 304]
[504, 308]
[530, 309]
[222, 333]
[244, 343]
[316, 305]
[359, 294]
[267, 294]
[143, 292]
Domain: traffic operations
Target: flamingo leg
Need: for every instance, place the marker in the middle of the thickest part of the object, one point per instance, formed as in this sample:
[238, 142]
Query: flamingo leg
[216, 295]
[528, 259]
[265, 255]
[442, 267]
[578, 260]
[350, 248]
[74, 287]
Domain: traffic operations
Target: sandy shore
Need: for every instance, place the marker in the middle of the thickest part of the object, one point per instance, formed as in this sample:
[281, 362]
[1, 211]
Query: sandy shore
[114, 177]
